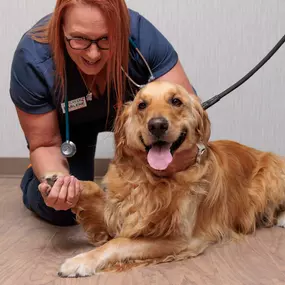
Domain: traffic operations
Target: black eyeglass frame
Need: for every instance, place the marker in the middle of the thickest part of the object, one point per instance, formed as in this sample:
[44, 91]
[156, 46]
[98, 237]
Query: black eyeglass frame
[85, 39]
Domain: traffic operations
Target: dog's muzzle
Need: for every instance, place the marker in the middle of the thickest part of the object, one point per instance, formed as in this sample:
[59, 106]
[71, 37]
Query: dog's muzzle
[160, 153]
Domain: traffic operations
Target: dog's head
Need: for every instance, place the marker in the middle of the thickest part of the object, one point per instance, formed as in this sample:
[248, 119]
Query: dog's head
[163, 120]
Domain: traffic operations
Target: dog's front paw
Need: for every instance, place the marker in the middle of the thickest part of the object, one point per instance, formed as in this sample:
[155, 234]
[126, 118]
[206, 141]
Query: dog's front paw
[78, 266]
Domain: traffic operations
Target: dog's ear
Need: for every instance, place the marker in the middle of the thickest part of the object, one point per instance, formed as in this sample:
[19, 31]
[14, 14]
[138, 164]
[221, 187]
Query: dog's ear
[203, 129]
[119, 128]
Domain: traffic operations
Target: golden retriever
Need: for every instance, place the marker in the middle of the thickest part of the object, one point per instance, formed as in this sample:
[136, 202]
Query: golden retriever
[158, 209]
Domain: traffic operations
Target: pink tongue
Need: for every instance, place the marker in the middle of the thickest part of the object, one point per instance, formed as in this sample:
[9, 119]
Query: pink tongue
[159, 157]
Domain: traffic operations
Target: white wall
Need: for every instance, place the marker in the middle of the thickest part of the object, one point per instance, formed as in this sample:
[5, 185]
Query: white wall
[218, 41]
[16, 17]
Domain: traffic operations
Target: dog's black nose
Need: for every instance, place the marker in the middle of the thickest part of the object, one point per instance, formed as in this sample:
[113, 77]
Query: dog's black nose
[158, 126]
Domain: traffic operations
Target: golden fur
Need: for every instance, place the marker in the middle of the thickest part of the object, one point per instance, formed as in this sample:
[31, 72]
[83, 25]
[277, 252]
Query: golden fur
[150, 216]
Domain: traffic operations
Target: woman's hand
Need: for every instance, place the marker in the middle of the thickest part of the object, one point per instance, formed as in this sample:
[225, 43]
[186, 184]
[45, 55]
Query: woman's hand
[63, 195]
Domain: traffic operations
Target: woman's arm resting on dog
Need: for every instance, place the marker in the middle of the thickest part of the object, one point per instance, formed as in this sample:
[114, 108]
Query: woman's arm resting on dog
[42, 133]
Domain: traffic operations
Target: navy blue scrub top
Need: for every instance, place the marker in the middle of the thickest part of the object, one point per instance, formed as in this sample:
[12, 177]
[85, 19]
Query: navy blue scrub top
[32, 78]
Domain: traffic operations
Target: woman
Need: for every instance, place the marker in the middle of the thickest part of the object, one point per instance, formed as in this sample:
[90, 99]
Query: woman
[82, 50]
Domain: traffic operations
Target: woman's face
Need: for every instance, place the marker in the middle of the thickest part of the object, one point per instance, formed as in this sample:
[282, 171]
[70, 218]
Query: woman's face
[86, 22]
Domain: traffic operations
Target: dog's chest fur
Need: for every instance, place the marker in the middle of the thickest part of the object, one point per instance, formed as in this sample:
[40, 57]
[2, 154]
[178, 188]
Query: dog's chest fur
[150, 209]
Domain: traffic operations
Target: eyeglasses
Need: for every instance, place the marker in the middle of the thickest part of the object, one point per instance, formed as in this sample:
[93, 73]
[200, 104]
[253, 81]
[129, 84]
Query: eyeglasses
[80, 43]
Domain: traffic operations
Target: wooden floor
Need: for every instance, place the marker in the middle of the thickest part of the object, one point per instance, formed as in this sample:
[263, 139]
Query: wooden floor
[31, 252]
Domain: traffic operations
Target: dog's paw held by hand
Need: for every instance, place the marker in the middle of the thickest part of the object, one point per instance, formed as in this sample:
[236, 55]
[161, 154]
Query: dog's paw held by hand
[51, 177]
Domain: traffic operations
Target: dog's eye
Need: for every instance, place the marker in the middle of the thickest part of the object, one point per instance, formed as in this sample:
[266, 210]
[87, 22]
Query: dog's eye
[142, 106]
[176, 102]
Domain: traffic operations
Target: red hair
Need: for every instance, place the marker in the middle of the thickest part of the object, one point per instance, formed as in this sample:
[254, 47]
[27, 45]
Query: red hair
[117, 16]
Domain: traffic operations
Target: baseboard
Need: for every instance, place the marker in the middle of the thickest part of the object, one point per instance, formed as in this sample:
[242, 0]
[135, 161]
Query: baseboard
[16, 166]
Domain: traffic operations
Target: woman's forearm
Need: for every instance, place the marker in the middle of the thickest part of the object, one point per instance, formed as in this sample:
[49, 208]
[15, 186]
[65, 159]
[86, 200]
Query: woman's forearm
[48, 159]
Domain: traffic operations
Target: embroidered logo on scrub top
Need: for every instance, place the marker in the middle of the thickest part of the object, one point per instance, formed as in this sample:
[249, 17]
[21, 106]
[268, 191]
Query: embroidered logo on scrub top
[75, 104]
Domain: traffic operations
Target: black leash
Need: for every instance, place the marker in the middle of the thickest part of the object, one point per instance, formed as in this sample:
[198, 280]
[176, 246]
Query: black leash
[218, 97]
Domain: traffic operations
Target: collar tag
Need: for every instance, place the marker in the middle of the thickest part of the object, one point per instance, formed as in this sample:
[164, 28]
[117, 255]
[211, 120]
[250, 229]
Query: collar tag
[201, 150]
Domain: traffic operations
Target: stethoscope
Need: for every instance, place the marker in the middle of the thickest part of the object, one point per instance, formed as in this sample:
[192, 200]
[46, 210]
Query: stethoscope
[68, 148]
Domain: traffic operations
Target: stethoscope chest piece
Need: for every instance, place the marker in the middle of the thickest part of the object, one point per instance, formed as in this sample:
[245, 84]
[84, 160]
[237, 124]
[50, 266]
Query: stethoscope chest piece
[68, 149]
